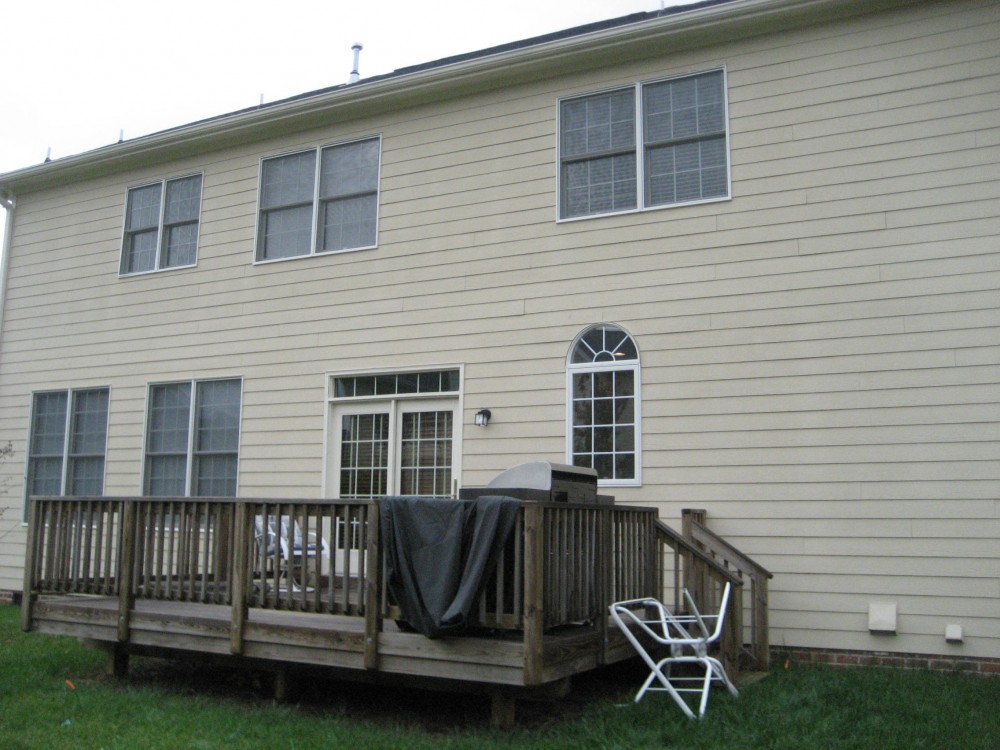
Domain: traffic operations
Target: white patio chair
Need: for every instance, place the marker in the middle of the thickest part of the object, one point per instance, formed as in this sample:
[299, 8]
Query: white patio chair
[295, 550]
[688, 637]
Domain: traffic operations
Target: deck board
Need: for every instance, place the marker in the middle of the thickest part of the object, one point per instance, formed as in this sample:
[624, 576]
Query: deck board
[286, 637]
[338, 641]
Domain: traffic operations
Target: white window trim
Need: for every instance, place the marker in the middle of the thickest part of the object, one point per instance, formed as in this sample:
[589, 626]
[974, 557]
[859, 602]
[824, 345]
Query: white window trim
[635, 365]
[640, 167]
[314, 238]
[189, 469]
[159, 229]
[331, 443]
[66, 438]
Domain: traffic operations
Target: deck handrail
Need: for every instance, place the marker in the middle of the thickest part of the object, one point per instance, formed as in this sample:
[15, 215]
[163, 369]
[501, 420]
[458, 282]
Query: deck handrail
[748, 569]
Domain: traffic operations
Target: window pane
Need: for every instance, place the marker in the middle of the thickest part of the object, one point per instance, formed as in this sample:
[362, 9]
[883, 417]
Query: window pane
[218, 416]
[426, 449]
[215, 476]
[684, 131]
[140, 251]
[181, 245]
[683, 108]
[364, 451]
[598, 123]
[168, 418]
[143, 210]
[45, 476]
[86, 476]
[625, 466]
[599, 185]
[217, 435]
[183, 200]
[286, 233]
[349, 169]
[166, 475]
[90, 422]
[349, 223]
[288, 180]
[48, 429]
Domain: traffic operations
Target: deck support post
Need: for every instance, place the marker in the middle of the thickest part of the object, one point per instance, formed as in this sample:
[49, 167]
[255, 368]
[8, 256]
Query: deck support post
[116, 663]
[239, 575]
[603, 572]
[502, 709]
[373, 581]
[126, 570]
[534, 592]
[281, 685]
[28, 591]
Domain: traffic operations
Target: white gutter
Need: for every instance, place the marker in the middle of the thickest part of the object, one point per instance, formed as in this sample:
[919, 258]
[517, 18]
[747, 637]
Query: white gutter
[525, 62]
[8, 202]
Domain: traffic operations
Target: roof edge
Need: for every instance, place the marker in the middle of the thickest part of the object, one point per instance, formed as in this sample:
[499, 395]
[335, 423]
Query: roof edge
[437, 76]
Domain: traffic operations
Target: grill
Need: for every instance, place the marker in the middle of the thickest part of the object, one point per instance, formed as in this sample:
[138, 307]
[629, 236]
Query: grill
[541, 481]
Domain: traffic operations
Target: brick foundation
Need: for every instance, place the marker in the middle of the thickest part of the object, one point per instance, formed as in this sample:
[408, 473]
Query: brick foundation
[845, 659]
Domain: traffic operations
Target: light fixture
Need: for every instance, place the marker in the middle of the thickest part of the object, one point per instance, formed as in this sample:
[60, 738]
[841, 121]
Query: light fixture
[483, 417]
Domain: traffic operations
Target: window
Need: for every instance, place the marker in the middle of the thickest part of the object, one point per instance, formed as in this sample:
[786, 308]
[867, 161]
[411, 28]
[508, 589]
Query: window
[66, 450]
[192, 439]
[603, 405]
[161, 232]
[319, 201]
[395, 434]
[685, 153]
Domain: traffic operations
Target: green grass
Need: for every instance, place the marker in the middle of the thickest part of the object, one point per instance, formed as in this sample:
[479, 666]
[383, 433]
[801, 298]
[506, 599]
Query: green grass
[167, 704]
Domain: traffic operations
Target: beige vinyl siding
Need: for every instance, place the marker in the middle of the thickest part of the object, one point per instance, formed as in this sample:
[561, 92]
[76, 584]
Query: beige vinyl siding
[820, 357]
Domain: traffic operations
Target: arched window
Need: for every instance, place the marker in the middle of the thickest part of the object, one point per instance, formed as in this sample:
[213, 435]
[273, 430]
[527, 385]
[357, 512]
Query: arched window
[602, 400]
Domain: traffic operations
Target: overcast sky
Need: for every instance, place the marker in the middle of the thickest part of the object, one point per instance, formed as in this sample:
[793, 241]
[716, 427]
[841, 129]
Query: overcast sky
[76, 74]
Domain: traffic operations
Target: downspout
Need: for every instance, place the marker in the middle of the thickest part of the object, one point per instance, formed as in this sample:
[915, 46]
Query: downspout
[8, 201]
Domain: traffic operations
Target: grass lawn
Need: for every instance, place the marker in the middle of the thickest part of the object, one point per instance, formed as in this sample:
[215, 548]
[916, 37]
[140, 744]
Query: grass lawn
[53, 694]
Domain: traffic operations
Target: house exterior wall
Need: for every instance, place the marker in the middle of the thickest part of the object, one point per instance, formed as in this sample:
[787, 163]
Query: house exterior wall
[819, 354]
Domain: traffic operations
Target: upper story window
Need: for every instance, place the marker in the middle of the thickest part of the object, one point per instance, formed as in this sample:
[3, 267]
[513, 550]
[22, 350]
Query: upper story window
[602, 383]
[682, 126]
[319, 201]
[161, 225]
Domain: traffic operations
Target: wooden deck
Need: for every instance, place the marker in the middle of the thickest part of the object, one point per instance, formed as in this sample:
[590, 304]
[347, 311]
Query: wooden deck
[187, 577]
[316, 640]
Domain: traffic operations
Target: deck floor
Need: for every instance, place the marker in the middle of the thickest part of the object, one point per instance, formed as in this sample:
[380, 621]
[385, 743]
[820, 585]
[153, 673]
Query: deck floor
[335, 641]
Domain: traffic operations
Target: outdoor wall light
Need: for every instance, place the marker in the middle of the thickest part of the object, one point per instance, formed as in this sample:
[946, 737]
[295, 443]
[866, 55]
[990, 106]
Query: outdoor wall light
[483, 417]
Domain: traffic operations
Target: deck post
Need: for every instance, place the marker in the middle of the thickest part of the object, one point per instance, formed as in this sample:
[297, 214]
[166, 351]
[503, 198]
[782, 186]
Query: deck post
[761, 639]
[116, 663]
[694, 581]
[603, 573]
[534, 591]
[502, 709]
[373, 583]
[126, 566]
[239, 575]
[28, 590]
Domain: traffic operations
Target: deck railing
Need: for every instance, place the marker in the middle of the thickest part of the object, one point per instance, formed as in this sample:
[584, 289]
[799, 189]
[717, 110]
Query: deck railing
[563, 564]
[751, 606]
[703, 562]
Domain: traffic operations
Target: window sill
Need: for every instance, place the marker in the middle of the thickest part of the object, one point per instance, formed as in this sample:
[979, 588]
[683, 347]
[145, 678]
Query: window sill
[643, 210]
[323, 254]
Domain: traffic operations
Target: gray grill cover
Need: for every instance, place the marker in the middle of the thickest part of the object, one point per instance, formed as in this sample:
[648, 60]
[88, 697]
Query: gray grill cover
[439, 554]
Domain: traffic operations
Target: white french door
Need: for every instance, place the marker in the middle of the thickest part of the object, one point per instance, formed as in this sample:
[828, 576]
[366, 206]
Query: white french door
[393, 447]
